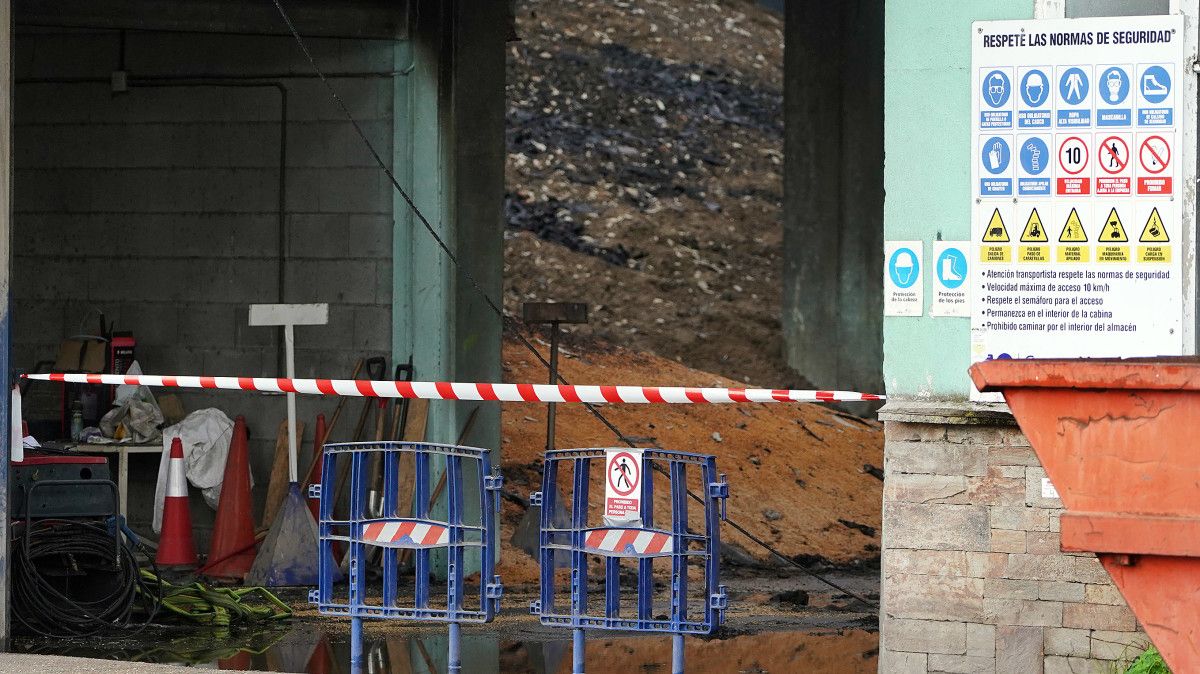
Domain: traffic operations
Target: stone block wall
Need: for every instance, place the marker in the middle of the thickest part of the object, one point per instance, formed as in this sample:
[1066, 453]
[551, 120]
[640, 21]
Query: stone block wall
[973, 576]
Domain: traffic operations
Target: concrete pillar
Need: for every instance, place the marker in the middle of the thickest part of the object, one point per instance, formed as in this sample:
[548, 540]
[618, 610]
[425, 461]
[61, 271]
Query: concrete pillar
[6, 98]
[833, 192]
[449, 153]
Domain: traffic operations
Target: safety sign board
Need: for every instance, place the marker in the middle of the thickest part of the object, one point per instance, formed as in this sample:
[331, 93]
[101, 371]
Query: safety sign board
[1033, 110]
[996, 94]
[903, 291]
[1154, 163]
[995, 157]
[950, 279]
[1074, 103]
[1155, 104]
[1114, 106]
[1114, 169]
[1073, 160]
[623, 487]
[1076, 212]
[1033, 174]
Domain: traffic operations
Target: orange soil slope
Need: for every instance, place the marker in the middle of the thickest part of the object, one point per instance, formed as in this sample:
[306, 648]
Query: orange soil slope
[795, 470]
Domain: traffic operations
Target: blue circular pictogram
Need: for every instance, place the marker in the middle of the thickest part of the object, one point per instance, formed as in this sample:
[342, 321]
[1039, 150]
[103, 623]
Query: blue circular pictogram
[904, 268]
[952, 268]
[1073, 86]
[1035, 88]
[996, 88]
[1113, 86]
[1155, 84]
[996, 155]
[1035, 155]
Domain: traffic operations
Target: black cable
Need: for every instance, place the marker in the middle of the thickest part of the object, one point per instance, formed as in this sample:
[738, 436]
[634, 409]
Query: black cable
[505, 320]
[68, 603]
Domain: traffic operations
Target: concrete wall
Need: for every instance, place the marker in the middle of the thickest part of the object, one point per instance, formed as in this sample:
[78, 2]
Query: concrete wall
[159, 207]
[927, 174]
[833, 192]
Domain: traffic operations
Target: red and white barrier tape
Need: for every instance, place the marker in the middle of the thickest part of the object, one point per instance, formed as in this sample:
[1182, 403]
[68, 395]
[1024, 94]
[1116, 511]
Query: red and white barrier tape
[442, 390]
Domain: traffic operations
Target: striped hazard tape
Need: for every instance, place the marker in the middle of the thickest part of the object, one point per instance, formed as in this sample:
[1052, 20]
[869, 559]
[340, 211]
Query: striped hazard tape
[642, 542]
[442, 390]
[406, 534]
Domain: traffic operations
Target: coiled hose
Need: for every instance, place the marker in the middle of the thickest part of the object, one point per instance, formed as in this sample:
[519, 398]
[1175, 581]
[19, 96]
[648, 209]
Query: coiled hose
[78, 577]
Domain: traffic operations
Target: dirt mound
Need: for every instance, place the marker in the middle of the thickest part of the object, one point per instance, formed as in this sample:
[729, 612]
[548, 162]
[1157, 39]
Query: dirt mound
[645, 176]
[800, 475]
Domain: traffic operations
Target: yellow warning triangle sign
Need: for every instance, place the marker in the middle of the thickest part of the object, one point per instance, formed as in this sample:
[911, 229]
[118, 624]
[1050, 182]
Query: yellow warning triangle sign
[1154, 231]
[1034, 232]
[1113, 229]
[996, 232]
[1072, 231]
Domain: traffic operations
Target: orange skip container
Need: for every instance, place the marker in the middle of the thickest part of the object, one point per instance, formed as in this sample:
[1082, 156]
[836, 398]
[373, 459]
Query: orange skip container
[1120, 440]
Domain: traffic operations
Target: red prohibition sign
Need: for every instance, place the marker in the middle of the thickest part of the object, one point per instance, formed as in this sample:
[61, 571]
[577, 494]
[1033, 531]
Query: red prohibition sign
[1107, 157]
[1080, 153]
[1160, 156]
[632, 475]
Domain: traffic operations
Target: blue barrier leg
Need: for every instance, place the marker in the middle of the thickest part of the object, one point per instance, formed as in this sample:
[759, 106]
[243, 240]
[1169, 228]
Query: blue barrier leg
[676, 654]
[455, 660]
[356, 644]
[577, 652]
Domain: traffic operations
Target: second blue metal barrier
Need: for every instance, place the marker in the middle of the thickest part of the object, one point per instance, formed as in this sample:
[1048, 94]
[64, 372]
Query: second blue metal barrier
[627, 530]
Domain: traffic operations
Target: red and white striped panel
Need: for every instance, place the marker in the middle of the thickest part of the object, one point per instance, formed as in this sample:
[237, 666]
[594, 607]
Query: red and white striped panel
[406, 534]
[631, 542]
[444, 390]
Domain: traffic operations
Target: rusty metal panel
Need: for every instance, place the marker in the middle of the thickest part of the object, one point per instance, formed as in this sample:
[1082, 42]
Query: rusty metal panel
[554, 312]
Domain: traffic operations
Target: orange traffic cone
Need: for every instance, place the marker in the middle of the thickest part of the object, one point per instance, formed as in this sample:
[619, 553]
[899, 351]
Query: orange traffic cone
[176, 547]
[314, 475]
[239, 662]
[232, 551]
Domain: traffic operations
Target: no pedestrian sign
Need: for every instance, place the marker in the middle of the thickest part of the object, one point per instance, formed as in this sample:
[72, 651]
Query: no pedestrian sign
[623, 487]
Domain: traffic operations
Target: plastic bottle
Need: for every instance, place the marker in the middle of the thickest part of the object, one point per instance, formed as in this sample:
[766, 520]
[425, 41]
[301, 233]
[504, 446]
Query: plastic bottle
[76, 421]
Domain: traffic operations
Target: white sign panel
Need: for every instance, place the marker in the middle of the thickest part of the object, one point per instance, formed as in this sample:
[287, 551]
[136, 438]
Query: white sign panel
[1077, 225]
[1048, 490]
[903, 290]
[949, 274]
[623, 488]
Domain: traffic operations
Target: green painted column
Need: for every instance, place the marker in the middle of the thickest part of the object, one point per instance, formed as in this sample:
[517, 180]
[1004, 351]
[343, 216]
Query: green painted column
[449, 145]
[927, 145]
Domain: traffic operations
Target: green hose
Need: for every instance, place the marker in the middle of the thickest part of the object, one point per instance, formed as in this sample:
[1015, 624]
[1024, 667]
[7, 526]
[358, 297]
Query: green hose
[219, 607]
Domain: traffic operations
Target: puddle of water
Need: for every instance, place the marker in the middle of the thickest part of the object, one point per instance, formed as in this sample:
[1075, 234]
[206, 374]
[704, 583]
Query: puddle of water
[308, 649]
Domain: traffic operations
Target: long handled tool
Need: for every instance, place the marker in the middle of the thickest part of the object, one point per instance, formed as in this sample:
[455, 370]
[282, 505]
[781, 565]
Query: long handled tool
[376, 366]
[441, 483]
[337, 413]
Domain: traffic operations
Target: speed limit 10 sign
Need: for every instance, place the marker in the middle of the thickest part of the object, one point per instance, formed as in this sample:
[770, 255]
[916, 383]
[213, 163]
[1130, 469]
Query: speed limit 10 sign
[1072, 164]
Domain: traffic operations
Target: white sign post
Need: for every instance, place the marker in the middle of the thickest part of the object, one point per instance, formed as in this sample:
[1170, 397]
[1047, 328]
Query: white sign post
[623, 488]
[289, 316]
[1079, 228]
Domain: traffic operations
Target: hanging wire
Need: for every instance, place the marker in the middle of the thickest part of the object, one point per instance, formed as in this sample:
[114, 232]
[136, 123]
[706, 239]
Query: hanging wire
[506, 320]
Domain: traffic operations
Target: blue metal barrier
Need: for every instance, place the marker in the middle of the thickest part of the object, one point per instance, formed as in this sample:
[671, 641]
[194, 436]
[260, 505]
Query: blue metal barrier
[364, 536]
[644, 543]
